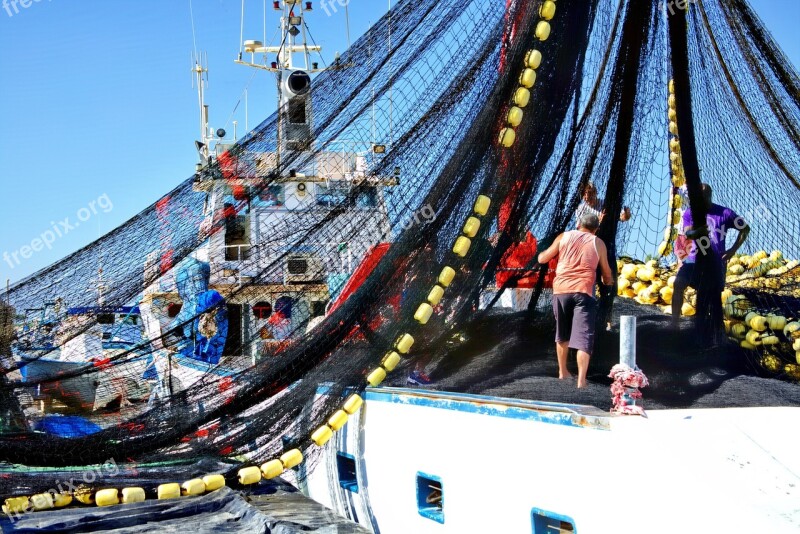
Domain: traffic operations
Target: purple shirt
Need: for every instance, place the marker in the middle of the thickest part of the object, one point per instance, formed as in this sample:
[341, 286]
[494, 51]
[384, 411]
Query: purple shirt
[719, 220]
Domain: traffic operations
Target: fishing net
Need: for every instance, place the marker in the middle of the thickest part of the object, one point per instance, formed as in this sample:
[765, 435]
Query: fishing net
[231, 319]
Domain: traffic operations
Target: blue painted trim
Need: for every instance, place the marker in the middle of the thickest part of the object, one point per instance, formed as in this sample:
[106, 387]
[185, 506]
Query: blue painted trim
[103, 310]
[538, 520]
[434, 513]
[552, 413]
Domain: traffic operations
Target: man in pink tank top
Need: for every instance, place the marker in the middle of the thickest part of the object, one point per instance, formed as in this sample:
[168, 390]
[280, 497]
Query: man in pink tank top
[579, 252]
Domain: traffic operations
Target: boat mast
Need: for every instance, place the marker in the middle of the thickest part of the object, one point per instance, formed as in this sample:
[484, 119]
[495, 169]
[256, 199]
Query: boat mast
[293, 79]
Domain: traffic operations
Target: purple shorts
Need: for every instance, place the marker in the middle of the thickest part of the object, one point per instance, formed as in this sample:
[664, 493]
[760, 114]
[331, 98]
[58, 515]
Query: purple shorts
[575, 319]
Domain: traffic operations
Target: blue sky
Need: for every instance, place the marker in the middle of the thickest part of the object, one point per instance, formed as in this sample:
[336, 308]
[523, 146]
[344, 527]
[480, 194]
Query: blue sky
[99, 116]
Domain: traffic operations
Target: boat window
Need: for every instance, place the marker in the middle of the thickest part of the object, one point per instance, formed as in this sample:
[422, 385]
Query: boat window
[332, 194]
[262, 310]
[346, 467]
[297, 111]
[272, 196]
[173, 309]
[130, 319]
[430, 497]
[105, 318]
[545, 522]
[367, 198]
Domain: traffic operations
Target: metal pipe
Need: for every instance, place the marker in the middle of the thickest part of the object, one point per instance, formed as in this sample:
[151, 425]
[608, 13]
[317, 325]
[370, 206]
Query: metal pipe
[627, 341]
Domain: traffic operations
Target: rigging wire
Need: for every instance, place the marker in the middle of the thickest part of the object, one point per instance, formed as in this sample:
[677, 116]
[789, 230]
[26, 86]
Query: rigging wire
[241, 32]
[194, 37]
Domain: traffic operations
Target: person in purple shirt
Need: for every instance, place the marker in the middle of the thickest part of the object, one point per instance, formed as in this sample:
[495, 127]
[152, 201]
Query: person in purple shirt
[708, 239]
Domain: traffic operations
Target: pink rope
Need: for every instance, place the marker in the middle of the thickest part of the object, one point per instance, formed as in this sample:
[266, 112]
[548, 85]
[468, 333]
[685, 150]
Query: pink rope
[625, 389]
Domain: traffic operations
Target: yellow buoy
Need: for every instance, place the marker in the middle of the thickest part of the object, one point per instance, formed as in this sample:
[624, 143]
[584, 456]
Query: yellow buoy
[664, 248]
[672, 102]
[646, 274]
[629, 270]
[522, 97]
[194, 486]
[272, 469]
[791, 328]
[533, 59]
[353, 403]
[376, 377]
[753, 337]
[461, 246]
[758, 323]
[321, 435]
[42, 501]
[543, 30]
[738, 330]
[507, 137]
[173, 489]
[423, 313]
[62, 499]
[671, 86]
[528, 78]
[548, 10]
[482, 204]
[673, 127]
[338, 419]
[292, 458]
[247, 476]
[213, 482]
[16, 505]
[84, 495]
[471, 227]
[404, 344]
[672, 114]
[132, 495]
[515, 116]
[445, 279]
[770, 340]
[747, 345]
[687, 309]
[666, 294]
[776, 322]
[390, 361]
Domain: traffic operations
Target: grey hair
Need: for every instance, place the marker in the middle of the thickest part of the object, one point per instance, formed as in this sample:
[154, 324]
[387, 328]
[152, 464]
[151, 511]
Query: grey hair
[589, 221]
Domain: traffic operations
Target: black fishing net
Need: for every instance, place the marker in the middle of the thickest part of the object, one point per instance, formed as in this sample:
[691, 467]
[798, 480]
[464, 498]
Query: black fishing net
[230, 319]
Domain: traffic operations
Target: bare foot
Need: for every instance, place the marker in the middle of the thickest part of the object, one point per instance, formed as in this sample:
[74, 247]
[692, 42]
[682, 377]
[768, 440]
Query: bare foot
[562, 376]
[581, 385]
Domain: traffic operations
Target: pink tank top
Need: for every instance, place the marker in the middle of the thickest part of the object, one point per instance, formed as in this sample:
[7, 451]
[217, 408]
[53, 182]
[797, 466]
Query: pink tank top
[577, 263]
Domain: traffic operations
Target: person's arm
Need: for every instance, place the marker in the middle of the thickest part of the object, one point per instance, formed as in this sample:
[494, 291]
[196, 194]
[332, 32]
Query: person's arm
[551, 252]
[740, 239]
[605, 268]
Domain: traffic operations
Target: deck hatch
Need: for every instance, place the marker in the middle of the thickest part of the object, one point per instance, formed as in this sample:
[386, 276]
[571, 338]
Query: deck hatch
[430, 497]
[346, 467]
[545, 522]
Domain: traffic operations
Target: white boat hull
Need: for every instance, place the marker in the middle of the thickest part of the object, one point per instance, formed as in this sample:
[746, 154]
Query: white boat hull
[502, 463]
